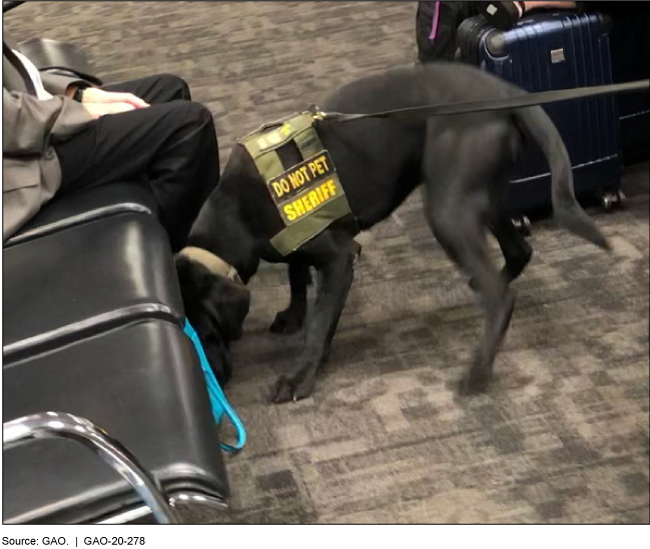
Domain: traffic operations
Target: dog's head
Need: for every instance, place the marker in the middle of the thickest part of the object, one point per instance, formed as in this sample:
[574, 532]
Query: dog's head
[216, 307]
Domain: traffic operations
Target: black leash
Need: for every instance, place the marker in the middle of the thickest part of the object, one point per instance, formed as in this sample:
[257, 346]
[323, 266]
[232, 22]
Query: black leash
[524, 100]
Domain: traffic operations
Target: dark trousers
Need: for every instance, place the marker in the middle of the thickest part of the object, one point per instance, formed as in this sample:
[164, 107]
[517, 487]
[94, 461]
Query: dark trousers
[172, 145]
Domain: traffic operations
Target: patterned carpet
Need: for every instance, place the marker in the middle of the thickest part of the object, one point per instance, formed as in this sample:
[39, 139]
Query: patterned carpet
[562, 437]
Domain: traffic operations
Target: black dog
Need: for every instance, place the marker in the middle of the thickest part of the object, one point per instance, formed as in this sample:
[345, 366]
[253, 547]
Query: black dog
[464, 162]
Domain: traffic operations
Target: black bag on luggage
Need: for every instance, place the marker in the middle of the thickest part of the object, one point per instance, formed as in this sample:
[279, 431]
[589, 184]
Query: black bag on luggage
[553, 51]
[631, 61]
[436, 28]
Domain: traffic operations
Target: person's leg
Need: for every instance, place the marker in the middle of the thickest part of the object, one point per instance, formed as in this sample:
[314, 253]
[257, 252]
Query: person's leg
[161, 88]
[172, 145]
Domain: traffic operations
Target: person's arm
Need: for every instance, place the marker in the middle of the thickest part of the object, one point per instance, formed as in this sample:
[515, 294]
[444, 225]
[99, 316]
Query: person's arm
[530, 6]
[28, 123]
[60, 84]
[505, 15]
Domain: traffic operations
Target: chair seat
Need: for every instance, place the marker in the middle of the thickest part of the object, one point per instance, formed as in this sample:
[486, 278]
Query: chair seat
[87, 205]
[142, 383]
[83, 280]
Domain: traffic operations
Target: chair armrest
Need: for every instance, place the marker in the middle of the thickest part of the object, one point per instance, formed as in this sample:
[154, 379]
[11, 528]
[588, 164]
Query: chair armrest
[61, 425]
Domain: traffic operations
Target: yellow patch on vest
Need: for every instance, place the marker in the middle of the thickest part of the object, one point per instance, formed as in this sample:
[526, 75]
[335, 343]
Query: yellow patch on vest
[273, 139]
[305, 188]
[310, 201]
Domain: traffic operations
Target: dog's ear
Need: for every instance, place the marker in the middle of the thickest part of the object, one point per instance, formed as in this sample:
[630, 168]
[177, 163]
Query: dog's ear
[200, 292]
[225, 301]
[229, 303]
[215, 346]
[193, 279]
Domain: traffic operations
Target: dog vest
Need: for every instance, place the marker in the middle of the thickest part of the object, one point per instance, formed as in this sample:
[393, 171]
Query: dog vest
[308, 195]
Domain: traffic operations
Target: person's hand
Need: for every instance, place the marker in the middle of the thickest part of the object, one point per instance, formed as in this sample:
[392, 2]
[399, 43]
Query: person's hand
[97, 110]
[521, 8]
[505, 15]
[96, 95]
[526, 7]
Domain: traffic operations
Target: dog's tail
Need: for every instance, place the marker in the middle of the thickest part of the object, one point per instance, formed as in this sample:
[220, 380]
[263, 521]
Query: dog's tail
[535, 123]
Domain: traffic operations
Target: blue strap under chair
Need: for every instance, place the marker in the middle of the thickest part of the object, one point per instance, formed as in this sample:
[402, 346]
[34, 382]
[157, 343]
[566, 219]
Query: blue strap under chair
[218, 400]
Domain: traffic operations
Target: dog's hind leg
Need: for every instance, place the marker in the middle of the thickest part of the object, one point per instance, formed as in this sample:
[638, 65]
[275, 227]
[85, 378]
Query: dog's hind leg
[292, 319]
[517, 252]
[459, 227]
[334, 278]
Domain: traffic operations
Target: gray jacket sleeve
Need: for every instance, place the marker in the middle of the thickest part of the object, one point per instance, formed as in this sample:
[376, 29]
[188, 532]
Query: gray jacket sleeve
[28, 123]
[57, 84]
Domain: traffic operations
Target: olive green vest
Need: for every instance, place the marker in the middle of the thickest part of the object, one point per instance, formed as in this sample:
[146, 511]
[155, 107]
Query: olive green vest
[309, 196]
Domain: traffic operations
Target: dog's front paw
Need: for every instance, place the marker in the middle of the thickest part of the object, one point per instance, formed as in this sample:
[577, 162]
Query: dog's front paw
[475, 382]
[282, 391]
[286, 390]
[287, 322]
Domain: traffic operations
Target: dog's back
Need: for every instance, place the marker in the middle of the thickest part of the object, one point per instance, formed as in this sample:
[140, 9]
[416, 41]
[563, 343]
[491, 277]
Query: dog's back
[380, 160]
[418, 85]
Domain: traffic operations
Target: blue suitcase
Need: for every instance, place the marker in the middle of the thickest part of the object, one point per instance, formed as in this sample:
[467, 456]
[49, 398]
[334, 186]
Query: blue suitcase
[553, 51]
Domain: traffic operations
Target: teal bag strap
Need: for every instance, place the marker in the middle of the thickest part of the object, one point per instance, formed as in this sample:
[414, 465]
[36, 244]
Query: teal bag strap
[218, 401]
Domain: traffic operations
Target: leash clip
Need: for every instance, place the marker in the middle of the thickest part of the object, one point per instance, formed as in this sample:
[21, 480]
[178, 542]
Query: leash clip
[316, 112]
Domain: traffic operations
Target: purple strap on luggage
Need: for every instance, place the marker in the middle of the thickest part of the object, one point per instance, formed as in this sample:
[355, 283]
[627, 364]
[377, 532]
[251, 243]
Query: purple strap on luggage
[435, 23]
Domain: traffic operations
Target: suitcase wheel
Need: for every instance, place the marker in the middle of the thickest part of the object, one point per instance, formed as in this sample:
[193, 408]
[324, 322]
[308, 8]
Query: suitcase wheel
[523, 225]
[613, 201]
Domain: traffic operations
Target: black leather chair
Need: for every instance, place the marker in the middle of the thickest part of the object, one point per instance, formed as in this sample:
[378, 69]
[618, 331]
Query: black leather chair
[82, 280]
[68, 427]
[87, 205]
